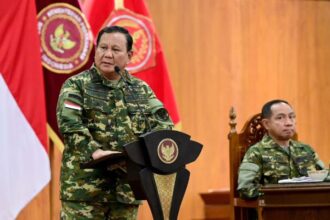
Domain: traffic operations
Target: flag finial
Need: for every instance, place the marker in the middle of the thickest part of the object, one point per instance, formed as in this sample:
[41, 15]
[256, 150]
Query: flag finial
[119, 4]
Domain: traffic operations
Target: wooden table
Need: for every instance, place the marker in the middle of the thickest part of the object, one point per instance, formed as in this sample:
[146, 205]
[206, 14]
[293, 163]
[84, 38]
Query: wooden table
[299, 201]
[216, 204]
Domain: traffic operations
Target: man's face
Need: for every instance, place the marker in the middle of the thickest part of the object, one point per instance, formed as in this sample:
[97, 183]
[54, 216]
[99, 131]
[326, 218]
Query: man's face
[282, 123]
[110, 52]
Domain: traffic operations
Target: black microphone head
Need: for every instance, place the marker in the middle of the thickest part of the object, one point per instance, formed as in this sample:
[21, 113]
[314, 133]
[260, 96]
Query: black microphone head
[117, 69]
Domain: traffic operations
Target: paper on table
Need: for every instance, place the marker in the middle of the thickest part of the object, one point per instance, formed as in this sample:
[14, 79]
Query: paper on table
[303, 179]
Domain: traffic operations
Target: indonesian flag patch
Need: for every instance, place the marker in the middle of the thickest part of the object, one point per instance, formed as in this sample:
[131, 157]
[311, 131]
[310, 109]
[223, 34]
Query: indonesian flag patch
[71, 105]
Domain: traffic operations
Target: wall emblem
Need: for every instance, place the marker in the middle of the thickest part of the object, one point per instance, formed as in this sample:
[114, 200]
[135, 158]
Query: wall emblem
[167, 151]
[142, 31]
[65, 35]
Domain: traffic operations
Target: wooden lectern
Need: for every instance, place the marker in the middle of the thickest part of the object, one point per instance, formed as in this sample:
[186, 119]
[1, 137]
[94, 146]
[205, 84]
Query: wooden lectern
[156, 169]
[299, 201]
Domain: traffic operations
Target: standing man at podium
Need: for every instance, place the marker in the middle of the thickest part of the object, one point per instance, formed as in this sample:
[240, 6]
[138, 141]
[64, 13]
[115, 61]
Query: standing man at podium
[98, 112]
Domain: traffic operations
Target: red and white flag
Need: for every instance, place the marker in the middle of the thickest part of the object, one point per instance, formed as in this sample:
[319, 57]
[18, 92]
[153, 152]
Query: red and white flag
[24, 162]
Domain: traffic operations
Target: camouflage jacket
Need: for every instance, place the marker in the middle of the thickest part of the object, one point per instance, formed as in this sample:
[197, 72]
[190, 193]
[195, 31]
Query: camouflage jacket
[266, 162]
[93, 113]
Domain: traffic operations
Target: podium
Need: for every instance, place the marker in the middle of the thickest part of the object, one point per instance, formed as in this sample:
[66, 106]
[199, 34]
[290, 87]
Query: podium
[156, 169]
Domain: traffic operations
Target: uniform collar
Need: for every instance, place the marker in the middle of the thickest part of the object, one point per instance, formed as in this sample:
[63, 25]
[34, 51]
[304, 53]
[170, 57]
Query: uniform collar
[268, 142]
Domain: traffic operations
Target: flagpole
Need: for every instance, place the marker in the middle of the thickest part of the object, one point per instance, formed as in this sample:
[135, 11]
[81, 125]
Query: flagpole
[54, 138]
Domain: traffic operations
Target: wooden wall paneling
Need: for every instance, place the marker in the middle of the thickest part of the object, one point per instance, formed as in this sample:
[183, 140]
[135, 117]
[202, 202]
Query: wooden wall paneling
[55, 206]
[314, 82]
[47, 204]
[200, 68]
[257, 51]
[238, 53]
[38, 208]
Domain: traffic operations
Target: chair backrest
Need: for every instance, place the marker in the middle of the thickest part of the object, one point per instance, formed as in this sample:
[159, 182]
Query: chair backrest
[239, 143]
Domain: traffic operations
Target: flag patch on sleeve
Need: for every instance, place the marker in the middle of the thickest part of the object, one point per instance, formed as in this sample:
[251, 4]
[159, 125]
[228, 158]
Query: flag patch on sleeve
[71, 105]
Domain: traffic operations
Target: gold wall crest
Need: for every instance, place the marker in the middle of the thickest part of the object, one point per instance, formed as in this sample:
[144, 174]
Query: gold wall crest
[142, 31]
[65, 37]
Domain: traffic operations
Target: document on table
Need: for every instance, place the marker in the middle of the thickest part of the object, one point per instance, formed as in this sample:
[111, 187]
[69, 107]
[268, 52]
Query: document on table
[303, 179]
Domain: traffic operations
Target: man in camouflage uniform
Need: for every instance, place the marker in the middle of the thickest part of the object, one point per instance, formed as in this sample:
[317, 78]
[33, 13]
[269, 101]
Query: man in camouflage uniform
[99, 111]
[276, 156]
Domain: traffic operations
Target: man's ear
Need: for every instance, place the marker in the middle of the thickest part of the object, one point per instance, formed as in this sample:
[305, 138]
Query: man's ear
[130, 54]
[265, 122]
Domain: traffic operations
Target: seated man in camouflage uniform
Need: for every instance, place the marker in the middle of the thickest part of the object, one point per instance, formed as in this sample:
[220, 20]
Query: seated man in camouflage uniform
[99, 111]
[276, 156]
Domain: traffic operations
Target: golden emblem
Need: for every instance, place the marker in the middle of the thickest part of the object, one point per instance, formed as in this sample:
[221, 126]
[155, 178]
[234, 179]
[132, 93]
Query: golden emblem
[139, 36]
[167, 151]
[60, 40]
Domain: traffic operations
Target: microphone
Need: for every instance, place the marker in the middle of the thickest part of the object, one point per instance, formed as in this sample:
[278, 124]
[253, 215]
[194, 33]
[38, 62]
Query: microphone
[133, 94]
[117, 70]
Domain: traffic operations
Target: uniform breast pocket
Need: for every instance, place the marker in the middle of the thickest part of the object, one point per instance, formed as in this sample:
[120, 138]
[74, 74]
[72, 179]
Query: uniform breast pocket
[304, 163]
[96, 110]
[139, 117]
[275, 169]
[269, 167]
[97, 114]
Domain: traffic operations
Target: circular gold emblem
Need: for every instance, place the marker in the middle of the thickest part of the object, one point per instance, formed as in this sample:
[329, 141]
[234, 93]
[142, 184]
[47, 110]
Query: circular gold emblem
[167, 151]
[65, 35]
[142, 32]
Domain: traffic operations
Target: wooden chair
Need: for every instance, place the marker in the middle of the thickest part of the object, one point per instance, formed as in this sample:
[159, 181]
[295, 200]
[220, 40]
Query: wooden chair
[251, 133]
[239, 143]
[215, 202]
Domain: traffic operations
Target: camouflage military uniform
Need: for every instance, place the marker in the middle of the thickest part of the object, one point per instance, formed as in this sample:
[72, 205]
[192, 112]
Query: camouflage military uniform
[95, 210]
[267, 162]
[96, 113]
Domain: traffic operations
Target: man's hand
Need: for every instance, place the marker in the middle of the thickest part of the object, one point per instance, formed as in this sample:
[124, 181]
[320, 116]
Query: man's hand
[101, 153]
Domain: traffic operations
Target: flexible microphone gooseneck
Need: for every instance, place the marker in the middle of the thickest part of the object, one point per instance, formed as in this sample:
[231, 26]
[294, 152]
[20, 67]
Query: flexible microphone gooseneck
[132, 93]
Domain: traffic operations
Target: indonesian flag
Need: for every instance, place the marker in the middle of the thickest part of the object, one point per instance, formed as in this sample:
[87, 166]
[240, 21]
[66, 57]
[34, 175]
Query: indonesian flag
[148, 62]
[24, 162]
